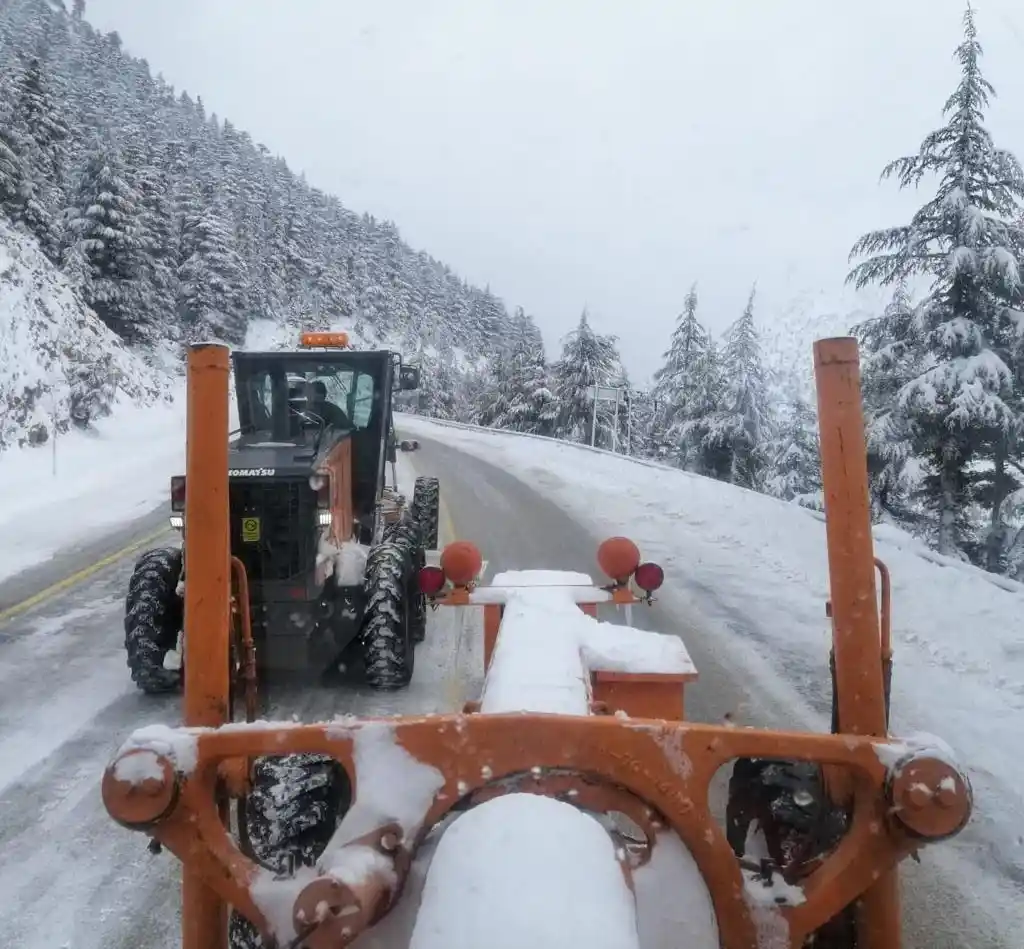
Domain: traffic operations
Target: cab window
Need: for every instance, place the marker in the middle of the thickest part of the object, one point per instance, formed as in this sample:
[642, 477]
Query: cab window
[362, 401]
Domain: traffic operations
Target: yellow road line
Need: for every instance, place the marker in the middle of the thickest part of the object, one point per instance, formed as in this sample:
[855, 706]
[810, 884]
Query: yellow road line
[78, 576]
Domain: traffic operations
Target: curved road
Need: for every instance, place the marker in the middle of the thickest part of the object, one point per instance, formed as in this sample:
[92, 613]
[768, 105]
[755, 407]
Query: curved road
[73, 879]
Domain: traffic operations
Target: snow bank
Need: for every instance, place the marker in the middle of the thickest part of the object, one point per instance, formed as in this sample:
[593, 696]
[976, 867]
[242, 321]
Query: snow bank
[86, 482]
[61, 482]
[525, 870]
[755, 570]
[57, 360]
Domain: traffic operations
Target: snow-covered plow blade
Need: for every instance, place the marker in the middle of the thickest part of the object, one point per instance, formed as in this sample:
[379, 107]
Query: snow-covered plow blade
[571, 803]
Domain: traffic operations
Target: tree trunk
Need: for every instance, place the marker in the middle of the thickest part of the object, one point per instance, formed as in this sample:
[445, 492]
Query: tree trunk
[948, 534]
[995, 541]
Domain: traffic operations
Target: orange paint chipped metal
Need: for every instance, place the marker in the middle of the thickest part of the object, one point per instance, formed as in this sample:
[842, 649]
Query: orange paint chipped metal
[628, 758]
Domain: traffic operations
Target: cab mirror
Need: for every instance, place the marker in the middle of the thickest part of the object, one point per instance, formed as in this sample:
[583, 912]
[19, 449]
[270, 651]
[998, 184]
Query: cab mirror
[408, 378]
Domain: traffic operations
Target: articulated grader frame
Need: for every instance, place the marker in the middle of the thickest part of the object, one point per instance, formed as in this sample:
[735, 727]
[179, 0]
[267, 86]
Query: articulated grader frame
[173, 784]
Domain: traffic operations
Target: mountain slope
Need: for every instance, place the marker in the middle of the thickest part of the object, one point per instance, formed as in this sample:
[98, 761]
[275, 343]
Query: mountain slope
[59, 365]
[174, 225]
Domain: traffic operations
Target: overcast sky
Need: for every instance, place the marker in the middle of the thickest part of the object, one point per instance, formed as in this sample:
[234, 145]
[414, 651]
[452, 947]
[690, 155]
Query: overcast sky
[598, 152]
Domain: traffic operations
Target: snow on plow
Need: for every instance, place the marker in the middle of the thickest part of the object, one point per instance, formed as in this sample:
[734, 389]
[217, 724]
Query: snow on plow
[525, 795]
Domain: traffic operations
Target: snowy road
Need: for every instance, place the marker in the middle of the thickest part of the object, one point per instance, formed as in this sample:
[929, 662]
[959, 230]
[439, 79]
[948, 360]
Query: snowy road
[73, 879]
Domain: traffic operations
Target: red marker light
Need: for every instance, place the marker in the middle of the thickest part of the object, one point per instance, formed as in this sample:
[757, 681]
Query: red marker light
[431, 580]
[649, 577]
[178, 493]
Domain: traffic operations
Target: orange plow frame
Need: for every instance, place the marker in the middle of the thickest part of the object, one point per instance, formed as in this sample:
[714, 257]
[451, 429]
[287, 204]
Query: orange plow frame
[170, 785]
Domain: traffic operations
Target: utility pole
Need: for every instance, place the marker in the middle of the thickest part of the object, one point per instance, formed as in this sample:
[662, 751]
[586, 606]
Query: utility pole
[629, 422]
[615, 424]
[593, 420]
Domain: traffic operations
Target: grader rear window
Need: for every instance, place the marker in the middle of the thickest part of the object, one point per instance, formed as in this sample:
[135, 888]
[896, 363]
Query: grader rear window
[279, 400]
[342, 395]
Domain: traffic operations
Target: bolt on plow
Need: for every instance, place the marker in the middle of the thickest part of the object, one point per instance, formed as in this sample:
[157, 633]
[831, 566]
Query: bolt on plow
[572, 802]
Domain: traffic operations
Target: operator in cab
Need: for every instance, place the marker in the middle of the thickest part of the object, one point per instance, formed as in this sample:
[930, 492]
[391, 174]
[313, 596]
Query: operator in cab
[319, 406]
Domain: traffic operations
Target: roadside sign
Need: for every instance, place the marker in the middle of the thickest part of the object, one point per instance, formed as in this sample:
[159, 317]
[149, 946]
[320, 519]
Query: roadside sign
[604, 393]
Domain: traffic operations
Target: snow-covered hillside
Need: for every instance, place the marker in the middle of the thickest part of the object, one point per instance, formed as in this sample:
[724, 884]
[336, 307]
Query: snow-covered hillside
[754, 570]
[60, 367]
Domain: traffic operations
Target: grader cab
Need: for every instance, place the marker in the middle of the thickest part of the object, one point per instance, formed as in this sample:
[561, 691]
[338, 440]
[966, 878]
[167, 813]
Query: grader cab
[572, 803]
[327, 549]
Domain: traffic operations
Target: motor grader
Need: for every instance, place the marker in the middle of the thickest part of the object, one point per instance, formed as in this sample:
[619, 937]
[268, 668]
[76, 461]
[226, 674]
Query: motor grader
[326, 549]
[487, 811]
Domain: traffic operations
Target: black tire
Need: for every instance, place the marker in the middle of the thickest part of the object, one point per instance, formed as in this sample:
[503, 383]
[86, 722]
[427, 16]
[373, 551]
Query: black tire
[789, 802]
[153, 618]
[293, 808]
[388, 644]
[426, 506]
[416, 600]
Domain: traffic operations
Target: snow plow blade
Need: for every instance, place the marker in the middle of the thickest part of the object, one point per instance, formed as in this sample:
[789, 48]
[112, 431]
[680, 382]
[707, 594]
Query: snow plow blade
[577, 719]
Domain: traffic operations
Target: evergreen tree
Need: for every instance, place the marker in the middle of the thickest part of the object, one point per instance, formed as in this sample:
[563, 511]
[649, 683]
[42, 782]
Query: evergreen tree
[40, 130]
[12, 166]
[157, 278]
[681, 385]
[892, 352]
[530, 405]
[212, 298]
[588, 359]
[103, 229]
[737, 430]
[960, 407]
[793, 456]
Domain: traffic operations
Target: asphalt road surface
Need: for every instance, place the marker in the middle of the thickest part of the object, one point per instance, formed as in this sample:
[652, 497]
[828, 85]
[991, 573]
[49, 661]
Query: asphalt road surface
[71, 878]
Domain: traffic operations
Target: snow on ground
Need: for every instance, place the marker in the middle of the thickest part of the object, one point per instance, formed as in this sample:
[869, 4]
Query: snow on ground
[757, 568]
[56, 357]
[73, 489]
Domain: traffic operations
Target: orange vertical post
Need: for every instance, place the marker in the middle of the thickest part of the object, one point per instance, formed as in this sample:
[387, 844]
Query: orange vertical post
[851, 556]
[207, 595]
[860, 695]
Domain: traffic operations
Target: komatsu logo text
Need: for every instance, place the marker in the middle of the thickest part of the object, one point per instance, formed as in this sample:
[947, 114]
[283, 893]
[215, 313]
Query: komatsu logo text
[252, 472]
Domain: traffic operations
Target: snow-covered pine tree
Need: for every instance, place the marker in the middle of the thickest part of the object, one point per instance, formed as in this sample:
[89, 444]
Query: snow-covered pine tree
[891, 357]
[12, 165]
[42, 132]
[735, 432]
[157, 278]
[103, 238]
[793, 457]
[680, 385]
[959, 409]
[588, 359]
[211, 300]
[529, 404]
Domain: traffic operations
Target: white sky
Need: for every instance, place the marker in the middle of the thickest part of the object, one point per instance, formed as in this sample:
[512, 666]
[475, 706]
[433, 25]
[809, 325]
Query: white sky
[572, 152]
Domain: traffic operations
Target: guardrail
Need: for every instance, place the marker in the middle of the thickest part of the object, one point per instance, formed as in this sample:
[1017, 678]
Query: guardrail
[551, 439]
